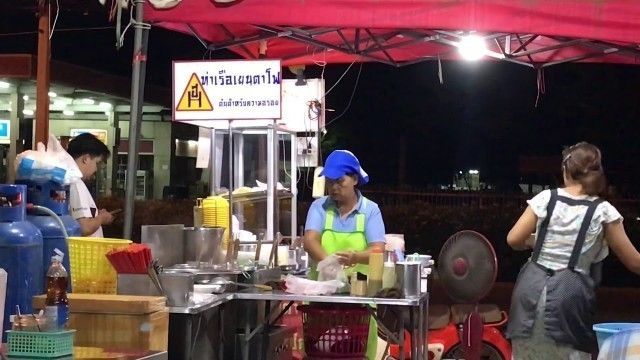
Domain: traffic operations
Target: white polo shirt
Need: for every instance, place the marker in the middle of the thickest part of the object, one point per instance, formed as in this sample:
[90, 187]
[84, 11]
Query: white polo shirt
[82, 205]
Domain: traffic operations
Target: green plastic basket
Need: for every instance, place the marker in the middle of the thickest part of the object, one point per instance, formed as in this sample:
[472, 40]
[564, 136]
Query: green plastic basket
[40, 344]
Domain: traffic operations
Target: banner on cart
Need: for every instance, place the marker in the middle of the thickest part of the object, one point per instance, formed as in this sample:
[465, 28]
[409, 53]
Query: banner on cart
[227, 90]
[293, 318]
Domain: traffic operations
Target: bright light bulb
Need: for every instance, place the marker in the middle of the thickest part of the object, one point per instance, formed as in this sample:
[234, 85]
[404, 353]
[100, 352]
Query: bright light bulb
[4, 85]
[27, 112]
[25, 98]
[68, 112]
[472, 48]
[52, 94]
[88, 101]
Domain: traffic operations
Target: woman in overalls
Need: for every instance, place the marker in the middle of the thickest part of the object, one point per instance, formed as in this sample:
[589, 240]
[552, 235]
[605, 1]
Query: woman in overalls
[345, 223]
[553, 302]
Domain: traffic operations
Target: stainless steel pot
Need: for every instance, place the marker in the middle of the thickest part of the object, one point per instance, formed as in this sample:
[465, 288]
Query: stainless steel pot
[204, 245]
[409, 276]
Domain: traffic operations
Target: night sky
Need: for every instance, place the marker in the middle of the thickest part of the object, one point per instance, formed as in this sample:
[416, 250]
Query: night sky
[482, 117]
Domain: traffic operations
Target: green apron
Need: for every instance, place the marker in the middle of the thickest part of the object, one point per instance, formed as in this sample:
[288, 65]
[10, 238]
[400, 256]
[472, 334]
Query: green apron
[335, 241]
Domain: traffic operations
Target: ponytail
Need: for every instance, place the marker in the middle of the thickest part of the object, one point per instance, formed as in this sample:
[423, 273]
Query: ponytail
[583, 163]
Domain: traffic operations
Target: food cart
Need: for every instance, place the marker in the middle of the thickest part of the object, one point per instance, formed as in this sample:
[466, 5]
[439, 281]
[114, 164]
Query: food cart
[215, 291]
[235, 104]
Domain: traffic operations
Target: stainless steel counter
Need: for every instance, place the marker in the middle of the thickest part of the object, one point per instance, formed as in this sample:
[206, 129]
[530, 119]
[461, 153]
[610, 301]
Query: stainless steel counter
[188, 319]
[196, 331]
[417, 309]
[277, 295]
[255, 294]
[201, 306]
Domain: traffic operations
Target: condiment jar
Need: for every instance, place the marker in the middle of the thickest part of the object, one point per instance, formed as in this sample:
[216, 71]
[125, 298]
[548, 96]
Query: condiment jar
[358, 284]
[31, 323]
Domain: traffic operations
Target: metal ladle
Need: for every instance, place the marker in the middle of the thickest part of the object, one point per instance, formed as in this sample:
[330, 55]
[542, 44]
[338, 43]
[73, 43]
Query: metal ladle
[223, 281]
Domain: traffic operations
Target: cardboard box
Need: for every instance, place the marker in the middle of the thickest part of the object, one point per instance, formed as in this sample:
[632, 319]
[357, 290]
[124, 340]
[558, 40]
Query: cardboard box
[117, 322]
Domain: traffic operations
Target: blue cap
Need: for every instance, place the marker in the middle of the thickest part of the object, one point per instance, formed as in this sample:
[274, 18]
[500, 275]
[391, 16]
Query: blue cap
[342, 162]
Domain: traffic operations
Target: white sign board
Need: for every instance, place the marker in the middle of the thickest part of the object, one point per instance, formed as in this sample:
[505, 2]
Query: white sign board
[227, 90]
[101, 134]
[296, 114]
[5, 131]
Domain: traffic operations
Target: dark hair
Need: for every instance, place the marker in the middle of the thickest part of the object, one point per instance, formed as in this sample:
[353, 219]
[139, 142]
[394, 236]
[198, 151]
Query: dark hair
[354, 176]
[87, 144]
[582, 162]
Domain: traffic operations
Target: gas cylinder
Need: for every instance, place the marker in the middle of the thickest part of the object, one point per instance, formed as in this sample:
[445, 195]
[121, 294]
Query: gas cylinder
[54, 197]
[20, 252]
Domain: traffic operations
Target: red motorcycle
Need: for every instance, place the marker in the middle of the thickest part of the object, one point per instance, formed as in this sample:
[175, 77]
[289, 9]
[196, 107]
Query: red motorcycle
[467, 269]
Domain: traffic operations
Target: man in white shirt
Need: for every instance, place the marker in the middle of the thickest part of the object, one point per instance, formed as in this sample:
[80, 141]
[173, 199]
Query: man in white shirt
[88, 152]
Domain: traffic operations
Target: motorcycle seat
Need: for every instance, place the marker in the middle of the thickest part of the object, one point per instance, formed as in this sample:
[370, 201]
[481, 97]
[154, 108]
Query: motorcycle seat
[490, 313]
[439, 316]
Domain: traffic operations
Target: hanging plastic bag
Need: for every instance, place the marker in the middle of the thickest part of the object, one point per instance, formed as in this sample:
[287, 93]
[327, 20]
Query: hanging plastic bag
[47, 164]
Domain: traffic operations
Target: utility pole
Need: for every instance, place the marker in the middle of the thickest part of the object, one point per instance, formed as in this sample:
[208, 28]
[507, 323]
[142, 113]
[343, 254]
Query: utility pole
[44, 66]
[140, 44]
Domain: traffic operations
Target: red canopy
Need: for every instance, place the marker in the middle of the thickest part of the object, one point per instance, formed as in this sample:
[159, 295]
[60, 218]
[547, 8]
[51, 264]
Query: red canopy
[399, 32]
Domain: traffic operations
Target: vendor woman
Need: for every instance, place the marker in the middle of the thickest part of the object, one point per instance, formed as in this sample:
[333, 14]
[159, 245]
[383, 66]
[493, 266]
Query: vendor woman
[345, 223]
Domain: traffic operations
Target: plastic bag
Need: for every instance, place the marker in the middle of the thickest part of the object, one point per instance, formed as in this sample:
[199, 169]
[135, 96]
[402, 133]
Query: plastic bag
[296, 285]
[48, 164]
[331, 269]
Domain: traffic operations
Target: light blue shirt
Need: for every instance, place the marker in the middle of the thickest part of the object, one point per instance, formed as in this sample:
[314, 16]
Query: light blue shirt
[373, 227]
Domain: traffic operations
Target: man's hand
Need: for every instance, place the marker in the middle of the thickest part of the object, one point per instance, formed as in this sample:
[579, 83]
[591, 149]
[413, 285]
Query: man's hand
[105, 217]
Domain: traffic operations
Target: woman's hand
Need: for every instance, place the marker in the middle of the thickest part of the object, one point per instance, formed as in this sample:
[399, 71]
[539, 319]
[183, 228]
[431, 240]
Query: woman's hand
[347, 258]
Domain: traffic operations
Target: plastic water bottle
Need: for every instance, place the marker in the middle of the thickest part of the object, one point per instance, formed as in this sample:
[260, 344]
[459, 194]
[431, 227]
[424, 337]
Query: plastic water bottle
[56, 309]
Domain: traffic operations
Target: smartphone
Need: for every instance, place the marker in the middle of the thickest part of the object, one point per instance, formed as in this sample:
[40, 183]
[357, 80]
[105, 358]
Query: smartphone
[116, 211]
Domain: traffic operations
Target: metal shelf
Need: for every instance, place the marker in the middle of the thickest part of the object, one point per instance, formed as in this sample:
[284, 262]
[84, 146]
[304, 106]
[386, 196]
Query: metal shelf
[256, 196]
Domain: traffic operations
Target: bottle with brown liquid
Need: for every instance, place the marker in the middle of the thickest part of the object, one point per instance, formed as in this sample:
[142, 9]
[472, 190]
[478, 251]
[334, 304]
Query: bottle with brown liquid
[376, 268]
[56, 309]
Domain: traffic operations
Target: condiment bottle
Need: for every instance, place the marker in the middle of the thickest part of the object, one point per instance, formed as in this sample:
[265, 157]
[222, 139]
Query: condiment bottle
[358, 284]
[389, 277]
[56, 305]
[376, 263]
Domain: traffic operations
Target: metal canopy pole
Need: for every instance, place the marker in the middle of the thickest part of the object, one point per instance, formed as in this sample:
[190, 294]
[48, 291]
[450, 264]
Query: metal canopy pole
[272, 187]
[238, 172]
[141, 41]
[294, 187]
[212, 164]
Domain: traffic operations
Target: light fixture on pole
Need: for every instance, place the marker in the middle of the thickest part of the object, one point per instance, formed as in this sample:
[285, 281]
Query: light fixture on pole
[472, 47]
[301, 80]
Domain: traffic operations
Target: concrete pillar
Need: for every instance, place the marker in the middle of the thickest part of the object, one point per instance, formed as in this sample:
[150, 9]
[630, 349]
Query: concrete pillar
[113, 141]
[16, 146]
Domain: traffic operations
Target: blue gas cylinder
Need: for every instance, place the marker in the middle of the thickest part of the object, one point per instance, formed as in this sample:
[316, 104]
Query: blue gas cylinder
[20, 253]
[55, 197]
